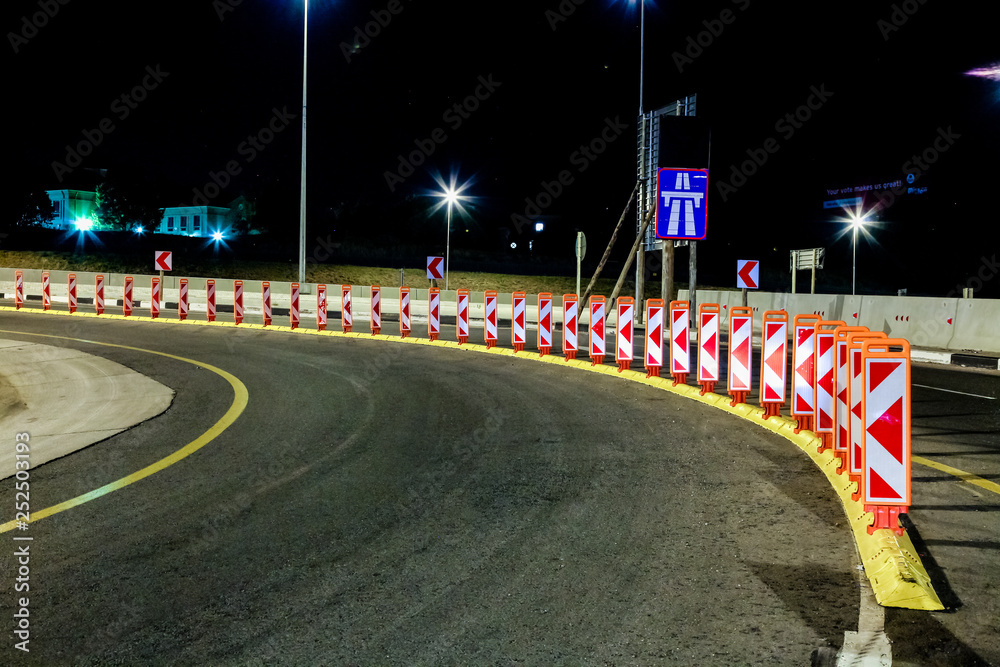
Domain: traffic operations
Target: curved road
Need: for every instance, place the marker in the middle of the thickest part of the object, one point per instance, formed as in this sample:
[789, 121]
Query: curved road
[394, 504]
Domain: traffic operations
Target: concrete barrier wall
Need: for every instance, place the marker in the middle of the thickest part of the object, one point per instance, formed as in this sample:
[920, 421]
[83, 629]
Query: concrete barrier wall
[957, 325]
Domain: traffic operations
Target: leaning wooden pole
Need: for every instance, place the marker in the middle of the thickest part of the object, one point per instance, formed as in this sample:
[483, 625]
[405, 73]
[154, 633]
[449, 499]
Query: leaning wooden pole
[631, 255]
[611, 244]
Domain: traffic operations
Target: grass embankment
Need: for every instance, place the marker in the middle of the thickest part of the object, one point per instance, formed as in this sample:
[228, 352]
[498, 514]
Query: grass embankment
[331, 274]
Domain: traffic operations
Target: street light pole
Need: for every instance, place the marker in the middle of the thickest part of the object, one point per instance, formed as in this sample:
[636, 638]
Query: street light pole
[302, 197]
[447, 247]
[854, 264]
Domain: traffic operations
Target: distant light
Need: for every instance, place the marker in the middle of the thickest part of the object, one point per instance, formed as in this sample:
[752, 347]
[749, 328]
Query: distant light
[218, 236]
[84, 224]
[992, 72]
[512, 245]
[859, 222]
[539, 226]
[139, 229]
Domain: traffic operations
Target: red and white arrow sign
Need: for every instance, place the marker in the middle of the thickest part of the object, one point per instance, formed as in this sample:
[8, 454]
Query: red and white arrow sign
[434, 268]
[747, 273]
[163, 260]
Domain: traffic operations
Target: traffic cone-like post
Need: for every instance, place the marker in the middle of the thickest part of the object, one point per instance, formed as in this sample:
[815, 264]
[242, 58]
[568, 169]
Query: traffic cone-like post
[293, 311]
[265, 295]
[597, 318]
[825, 405]
[238, 301]
[773, 362]
[571, 325]
[321, 307]
[433, 313]
[841, 380]
[490, 323]
[544, 323]
[46, 291]
[519, 302]
[210, 299]
[376, 309]
[182, 300]
[680, 356]
[346, 316]
[99, 294]
[624, 332]
[18, 289]
[404, 312]
[886, 453]
[462, 316]
[804, 370]
[740, 354]
[709, 316]
[154, 298]
[127, 296]
[855, 395]
[72, 293]
[654, 337]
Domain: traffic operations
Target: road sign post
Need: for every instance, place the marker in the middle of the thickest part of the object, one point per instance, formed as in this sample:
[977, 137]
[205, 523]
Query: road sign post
[804, 370]
[127, 297]
[210, 299]
[293, 311]
[623, 326]
[321, 307]
[571, 322]
[266, 299]
[825, 406]
[773, 362]
[581, 251]
[680, 357]
[72, 293]
[544, 323]
[404, 312]
[841, 380]
[46, 291]
[154, 298]
[709, 315]
[517, 320]
[654, 337]
[238, 301]
[596, 337]
[99, 294]
[346, 315]
[490, 323]
[855, 396]
[886, 453]
[182, 300]
[740, 354]
[376, 309]
[433, 313]
[462, 316]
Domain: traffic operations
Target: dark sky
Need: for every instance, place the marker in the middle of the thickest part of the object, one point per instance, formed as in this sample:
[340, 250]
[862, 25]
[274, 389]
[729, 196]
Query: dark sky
[561, 73]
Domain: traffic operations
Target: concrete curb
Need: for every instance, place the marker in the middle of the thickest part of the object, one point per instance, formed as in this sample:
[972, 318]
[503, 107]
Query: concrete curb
[891, 563]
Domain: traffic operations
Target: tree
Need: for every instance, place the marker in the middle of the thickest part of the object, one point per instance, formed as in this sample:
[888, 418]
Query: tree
[118, 207]
[36, 210]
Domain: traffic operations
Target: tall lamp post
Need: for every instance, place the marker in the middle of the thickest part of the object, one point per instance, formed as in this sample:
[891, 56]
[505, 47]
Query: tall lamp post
[856, 224]
[302, 197]
[450, 196]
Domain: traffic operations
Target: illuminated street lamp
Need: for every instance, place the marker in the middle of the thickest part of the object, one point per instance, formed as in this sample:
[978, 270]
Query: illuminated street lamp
[451, 196]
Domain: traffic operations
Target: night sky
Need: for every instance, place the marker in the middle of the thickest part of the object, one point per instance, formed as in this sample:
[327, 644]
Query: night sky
[551, 77]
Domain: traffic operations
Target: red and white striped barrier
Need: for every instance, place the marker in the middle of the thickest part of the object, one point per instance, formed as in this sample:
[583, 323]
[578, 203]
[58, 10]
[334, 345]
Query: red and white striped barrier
[855, 395]
[321, 307]
[18, 289]
[709, 315]
[841, 380]
[623, 336]
[238, 301]
[886, 453]
[433, 313]
[154, 298]
[182, 300]
[210, 299]
[490, 324]
[804, 370]
[127, 296]
[99, 294]
[517, 321]
[346, 316]
[265, 290]
[544, 323]
[654, 337]
[404, 312]
[773, 363]
[376, 309]
[597, 344]
[72, 293]
[462, 316]
[825, 405]
[740, 353]
[680, 357]
[293, 311]
[571, 325]
[46, 291]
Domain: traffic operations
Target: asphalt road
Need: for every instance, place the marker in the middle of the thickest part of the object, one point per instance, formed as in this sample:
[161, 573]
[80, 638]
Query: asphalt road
[395, 504]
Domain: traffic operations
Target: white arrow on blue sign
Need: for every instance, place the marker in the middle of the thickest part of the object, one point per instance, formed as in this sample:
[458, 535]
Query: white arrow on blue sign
[681, 203]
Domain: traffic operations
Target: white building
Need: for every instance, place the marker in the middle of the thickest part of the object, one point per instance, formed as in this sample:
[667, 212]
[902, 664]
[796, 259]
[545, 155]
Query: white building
[71, 206]
[195, 221]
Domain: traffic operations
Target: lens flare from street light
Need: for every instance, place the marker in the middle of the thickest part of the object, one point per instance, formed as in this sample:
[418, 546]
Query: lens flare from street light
[451, 193]
[991, 72]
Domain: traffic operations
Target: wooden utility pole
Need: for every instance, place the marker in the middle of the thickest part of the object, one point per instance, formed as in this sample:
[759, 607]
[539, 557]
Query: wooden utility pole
[631, 255]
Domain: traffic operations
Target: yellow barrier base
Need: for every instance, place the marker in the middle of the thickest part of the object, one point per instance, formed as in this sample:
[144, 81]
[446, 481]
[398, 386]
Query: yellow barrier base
[892, 565]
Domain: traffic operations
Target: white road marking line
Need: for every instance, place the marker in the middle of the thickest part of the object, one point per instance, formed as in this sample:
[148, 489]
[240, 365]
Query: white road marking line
[952, 391]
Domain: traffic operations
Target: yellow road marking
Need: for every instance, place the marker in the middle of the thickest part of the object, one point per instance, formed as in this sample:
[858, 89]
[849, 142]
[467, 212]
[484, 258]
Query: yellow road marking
[961, 474]
[240, 398]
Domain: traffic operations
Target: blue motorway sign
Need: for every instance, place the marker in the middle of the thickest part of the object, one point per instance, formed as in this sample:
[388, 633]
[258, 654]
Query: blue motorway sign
[681, 202]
